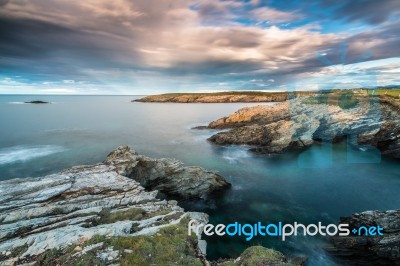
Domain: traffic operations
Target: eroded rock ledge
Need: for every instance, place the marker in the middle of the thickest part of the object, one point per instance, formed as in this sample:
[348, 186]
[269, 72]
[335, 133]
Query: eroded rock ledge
[367, 121]
[167, 175]
[370, 250]
[92, 208]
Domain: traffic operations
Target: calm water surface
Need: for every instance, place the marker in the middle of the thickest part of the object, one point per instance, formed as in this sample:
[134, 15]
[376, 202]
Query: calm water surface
[40, 139]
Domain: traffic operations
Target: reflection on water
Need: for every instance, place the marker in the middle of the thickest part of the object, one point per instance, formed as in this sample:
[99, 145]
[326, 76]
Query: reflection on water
[84, 129]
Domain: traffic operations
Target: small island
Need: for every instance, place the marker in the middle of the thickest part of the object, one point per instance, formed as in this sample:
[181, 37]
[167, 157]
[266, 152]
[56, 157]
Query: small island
[37, 102]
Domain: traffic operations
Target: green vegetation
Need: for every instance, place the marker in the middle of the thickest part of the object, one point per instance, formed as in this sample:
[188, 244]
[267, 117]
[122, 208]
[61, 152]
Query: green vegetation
[345, 100]
[227, 96]
[258, 255]
[133, 214]
[170, 246]
[64, 257]
[248, 93]
[395, 93]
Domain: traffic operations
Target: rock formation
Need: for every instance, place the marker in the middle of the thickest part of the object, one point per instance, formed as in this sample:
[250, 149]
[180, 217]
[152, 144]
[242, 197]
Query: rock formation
[372, 121]
[221, 97]
[370, 250]
[37, 102]
[167, 175]
[75, 205]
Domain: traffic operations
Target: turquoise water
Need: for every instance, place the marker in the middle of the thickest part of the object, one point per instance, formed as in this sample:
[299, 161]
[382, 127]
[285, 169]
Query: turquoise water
[42, 139]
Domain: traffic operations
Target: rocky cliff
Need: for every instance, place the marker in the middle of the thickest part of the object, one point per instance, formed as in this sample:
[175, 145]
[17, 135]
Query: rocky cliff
[166, 175]
[300, 122]
[98, 214]
[221, 97]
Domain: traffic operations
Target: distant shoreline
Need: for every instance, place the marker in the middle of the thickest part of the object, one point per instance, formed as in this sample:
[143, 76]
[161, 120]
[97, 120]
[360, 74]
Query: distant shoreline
[222, 97]
[252, 96]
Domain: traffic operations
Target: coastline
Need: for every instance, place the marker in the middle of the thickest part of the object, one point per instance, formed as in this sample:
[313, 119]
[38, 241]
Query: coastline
[146, 161]
[99, 214]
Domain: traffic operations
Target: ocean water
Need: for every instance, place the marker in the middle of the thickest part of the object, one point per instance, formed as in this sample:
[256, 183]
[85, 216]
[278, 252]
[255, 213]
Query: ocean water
[320, 184]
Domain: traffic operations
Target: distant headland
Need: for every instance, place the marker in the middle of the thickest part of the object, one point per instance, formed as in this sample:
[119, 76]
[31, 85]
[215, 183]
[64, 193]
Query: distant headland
[251, 96]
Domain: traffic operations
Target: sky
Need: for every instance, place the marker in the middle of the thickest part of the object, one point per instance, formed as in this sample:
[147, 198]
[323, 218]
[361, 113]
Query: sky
[140, 47]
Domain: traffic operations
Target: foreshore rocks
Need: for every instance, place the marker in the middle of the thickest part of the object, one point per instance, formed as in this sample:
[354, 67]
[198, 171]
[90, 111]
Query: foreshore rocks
[169, 176]
[298, 123]
[86, 202]
[370, 250]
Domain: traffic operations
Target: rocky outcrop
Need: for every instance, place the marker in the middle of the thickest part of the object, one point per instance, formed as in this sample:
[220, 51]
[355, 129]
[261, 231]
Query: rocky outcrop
[370, 250]
[37, 102]
[76, 205]
[371, 121]
[167, 175]
[221, 97]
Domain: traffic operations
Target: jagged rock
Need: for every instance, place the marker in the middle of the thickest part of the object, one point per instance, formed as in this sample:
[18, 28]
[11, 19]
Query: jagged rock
[370, 250]
[300, 122]
[167, 175]
[38, 214]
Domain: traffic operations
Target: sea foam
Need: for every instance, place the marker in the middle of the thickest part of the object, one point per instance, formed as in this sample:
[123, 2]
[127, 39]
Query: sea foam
[26, 153]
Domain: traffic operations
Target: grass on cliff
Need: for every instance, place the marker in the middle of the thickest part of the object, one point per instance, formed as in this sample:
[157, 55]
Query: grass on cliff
[228, 93]
[170, 246]
[346, 100]
[224, 93]
[395, 93]
[133, 214]
[258, 255]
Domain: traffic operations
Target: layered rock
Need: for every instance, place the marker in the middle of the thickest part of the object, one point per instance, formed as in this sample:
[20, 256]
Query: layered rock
[372, 121]
[75, 205]
[370, 250]
[167, 175]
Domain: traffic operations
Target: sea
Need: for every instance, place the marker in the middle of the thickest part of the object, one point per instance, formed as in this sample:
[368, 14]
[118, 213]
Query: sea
[320, 184]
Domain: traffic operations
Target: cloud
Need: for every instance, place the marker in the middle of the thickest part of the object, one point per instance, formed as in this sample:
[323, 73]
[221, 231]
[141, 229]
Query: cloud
[273, 15]
[140, 42]
[373, 12]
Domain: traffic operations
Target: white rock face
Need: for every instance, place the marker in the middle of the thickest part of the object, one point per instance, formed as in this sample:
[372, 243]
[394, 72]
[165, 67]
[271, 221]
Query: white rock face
[69, 207]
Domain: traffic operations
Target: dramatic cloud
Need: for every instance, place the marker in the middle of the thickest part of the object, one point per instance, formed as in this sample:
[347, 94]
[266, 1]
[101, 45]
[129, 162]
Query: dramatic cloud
[366, 10]
[128, 46]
